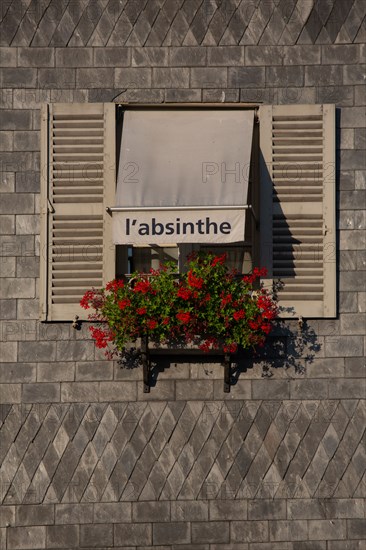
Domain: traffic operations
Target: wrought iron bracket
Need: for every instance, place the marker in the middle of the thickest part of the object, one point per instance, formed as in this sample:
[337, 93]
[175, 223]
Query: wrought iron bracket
[227, 372]
[146, 365]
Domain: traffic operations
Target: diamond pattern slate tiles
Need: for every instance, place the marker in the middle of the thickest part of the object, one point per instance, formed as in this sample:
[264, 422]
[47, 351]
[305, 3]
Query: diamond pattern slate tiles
[67, 24]
[182, 451]
[180, 22]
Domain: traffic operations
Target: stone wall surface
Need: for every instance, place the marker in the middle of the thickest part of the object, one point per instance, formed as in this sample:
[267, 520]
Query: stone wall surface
[87, 459]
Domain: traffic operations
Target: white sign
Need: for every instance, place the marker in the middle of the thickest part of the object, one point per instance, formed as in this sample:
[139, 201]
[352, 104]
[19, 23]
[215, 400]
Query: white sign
[172, 226]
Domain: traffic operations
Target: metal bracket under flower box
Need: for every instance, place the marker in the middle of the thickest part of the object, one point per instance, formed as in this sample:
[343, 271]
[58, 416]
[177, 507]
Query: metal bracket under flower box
[146, 354]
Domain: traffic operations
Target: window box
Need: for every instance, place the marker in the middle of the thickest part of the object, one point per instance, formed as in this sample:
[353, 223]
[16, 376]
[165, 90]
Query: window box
[209, 306]
[151, 349]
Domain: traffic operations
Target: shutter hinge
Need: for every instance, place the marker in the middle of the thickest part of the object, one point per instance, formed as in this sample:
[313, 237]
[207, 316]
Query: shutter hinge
[325, 230]
[49, 206]
[76, 324]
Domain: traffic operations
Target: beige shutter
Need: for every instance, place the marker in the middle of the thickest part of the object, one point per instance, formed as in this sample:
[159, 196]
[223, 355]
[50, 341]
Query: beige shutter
[297, 145]
[77, 184]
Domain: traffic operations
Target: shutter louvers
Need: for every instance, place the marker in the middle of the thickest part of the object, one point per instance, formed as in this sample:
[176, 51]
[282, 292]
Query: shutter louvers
[78, 184]
[298, 206]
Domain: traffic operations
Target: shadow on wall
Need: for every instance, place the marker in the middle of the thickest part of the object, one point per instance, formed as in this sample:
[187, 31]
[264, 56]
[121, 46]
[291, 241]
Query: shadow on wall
[286, 348]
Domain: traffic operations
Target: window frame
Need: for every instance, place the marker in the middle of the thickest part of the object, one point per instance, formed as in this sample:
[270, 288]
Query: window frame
[262, 151]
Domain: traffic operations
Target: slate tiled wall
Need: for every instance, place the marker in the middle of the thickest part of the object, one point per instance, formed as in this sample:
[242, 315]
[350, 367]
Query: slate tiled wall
[88, 460]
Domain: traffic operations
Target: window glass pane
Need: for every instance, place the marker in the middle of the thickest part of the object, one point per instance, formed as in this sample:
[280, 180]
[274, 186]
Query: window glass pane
[130, 259]
[146, 257]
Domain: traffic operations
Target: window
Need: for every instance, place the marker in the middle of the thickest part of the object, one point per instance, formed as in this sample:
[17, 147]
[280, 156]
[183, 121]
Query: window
[180, 182]
[296, 152]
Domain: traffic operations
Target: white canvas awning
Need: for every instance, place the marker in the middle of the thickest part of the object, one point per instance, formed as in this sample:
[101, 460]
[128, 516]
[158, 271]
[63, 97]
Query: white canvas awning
[183, 176]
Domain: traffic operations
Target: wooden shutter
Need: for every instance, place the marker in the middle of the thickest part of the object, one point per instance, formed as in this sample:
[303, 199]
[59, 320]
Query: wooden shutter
[297, 145]
[77, 184]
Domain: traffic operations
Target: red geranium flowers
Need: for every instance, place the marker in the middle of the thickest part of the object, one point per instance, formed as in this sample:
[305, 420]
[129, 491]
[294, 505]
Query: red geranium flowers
[207, 303]
[142, 286]
[183, 316]
[193, 281]
[184, 293]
